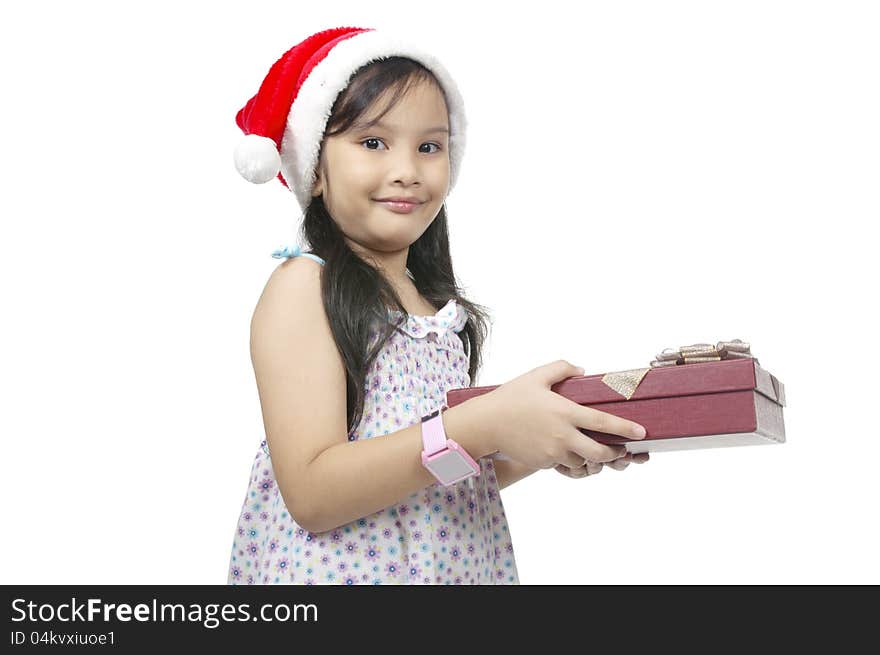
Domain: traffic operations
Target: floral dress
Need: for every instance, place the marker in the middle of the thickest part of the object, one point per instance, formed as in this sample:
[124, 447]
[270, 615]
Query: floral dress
[438, 535]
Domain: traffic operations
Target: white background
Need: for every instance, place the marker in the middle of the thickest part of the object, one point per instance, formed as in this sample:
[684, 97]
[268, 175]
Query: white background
[639, 175]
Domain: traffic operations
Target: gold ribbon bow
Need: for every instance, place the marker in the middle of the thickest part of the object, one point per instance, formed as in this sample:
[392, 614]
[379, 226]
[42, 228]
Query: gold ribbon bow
[626, 382]
[704, 352]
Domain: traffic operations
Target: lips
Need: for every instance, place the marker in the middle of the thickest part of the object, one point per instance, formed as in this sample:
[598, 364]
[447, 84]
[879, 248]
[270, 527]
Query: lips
[399, 207]
[409, 199]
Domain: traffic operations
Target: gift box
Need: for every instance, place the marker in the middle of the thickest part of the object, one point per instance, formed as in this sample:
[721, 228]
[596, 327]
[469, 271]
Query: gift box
[702, 401]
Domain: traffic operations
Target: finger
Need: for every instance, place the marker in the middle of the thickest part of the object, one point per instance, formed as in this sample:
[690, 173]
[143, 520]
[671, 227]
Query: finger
[558, 370]
[588, 468]
[623, 462]
[592, 450]
[580, 472]
[598, 421]
[572, 460]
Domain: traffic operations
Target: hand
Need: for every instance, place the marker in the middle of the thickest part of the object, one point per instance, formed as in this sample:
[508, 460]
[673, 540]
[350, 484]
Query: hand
[529, 422]
[591, 468]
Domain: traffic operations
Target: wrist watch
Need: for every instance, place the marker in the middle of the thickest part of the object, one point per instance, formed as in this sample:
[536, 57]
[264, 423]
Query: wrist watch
[449, 462]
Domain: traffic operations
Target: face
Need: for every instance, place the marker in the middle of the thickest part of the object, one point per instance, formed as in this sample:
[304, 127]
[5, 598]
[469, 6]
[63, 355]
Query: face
[402, 156]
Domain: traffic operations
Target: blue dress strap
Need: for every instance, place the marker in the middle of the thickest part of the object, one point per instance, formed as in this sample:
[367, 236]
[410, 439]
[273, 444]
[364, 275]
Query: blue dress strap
[295, 251]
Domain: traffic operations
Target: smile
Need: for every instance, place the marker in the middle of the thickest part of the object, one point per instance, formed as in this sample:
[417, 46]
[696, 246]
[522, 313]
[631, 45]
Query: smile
[399, 207]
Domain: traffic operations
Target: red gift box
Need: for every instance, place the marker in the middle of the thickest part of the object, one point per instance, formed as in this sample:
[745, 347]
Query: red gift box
[732, 402]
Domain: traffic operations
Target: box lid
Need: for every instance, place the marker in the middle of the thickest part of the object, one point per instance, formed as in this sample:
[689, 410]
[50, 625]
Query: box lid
[679, 380]
[664, 381]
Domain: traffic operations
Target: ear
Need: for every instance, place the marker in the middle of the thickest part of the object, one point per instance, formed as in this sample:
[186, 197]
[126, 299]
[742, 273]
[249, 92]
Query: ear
[318, 186]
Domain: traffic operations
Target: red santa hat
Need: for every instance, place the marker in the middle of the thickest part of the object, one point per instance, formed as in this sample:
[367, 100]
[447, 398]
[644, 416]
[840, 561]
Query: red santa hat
[284, 122]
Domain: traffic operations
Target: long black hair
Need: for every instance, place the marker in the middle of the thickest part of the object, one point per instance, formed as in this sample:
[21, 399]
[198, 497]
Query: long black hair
[354, 292]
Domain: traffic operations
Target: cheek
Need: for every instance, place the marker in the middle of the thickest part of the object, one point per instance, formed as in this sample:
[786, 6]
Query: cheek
[361, 173]
[446, 176]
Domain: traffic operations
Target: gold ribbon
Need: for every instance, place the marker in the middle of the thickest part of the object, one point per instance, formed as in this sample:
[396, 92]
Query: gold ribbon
[626, 382]
[704, 352]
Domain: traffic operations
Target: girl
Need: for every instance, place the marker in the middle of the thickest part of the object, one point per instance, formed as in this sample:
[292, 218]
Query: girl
[363, 335]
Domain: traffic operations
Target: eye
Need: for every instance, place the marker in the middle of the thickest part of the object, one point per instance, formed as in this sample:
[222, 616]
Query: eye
[371, 139]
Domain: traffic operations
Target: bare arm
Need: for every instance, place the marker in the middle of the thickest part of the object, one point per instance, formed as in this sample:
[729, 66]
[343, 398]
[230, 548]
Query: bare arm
[358, 478]
[325, 480]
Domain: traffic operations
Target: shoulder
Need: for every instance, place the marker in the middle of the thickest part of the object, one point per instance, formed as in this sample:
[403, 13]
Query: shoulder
[297, 267]
[292, 294]
[303, 266]
[300, 276]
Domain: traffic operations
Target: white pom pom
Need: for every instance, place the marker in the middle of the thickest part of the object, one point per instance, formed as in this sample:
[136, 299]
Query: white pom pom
[257, 158]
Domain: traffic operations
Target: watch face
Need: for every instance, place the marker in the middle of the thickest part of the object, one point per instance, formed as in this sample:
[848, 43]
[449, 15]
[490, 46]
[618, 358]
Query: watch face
[450, 466]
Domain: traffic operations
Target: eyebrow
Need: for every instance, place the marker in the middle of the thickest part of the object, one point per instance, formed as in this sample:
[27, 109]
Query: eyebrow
[381, 124]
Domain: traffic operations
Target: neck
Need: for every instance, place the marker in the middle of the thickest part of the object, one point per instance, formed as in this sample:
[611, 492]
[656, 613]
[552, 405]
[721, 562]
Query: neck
[391, 264]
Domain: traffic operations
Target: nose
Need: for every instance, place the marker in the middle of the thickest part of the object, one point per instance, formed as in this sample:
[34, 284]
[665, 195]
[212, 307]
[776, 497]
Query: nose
[405, 167]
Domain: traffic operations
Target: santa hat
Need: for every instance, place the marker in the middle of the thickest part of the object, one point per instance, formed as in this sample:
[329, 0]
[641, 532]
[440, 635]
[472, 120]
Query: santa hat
[284, 122]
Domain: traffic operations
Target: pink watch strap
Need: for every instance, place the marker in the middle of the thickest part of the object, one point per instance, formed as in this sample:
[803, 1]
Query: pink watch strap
[433, 434]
